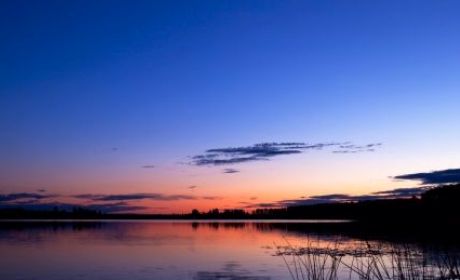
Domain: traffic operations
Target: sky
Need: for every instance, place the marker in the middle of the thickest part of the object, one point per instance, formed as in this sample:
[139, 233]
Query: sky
[166, 106]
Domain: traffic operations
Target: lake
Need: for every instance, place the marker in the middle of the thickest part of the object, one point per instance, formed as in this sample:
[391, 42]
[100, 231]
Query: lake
[177, 249]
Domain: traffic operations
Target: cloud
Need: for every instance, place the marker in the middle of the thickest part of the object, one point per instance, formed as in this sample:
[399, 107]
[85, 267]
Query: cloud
[207, 160]
[148, 166]
[117, 207]
[265, 151]
[433, 177]
[353, 149]
[265, 205]
[135, 196]
[331, 197]
[230, 171]
[304, 202]
[107, 203]
[337, 198]
[211, 197]
[39, 206]
[403, 192]
[21, 196]
[192, 187]
[142, 196]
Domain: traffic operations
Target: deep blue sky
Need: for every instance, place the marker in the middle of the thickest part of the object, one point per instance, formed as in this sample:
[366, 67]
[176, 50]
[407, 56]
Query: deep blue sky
[164, 80]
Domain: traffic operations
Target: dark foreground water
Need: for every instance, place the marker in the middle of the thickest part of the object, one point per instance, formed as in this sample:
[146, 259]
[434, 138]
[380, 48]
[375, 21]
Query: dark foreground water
[173, 249]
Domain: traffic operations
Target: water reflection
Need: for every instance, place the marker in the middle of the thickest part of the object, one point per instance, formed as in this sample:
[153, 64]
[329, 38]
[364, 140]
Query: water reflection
[188, 250]
[230, 271]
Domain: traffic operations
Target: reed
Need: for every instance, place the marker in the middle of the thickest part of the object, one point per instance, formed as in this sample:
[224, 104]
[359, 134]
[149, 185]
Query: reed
[373, 261]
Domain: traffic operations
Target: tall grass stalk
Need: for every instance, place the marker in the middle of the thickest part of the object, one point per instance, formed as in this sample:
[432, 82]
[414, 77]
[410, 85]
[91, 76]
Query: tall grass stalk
[374, 262]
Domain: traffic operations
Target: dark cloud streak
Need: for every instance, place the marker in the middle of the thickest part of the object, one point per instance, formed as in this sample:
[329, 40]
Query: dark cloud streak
[142, 196]
[18, 196]
[398, 193]
[434, 177]
[135, 196]
[266, 151]
[230, 171]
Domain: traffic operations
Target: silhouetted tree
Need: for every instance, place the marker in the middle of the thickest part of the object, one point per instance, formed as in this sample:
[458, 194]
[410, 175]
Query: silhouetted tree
[195, 213]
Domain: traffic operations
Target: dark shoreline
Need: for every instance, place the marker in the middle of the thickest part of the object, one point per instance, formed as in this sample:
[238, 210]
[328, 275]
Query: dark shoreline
[436, 235]
[436, 209]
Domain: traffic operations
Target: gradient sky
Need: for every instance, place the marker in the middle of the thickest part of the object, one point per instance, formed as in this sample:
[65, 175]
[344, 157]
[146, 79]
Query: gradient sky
[93, 92]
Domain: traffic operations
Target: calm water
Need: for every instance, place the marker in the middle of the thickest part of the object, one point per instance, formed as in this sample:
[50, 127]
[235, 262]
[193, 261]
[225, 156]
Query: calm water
[154, 249]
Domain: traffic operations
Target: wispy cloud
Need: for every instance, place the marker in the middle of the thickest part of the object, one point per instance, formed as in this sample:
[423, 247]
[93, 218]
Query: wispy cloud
[107, 203]
[148, 166]
[387, 194]
[39, 205]
[117, 207]
[403, 192]
[433, 177]
[230, 171]
[265, 205]
[24, 195]
[335, 198]
[211, 197]
[135, 196]
[353, 149]
[142, 196]
[265, 151]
